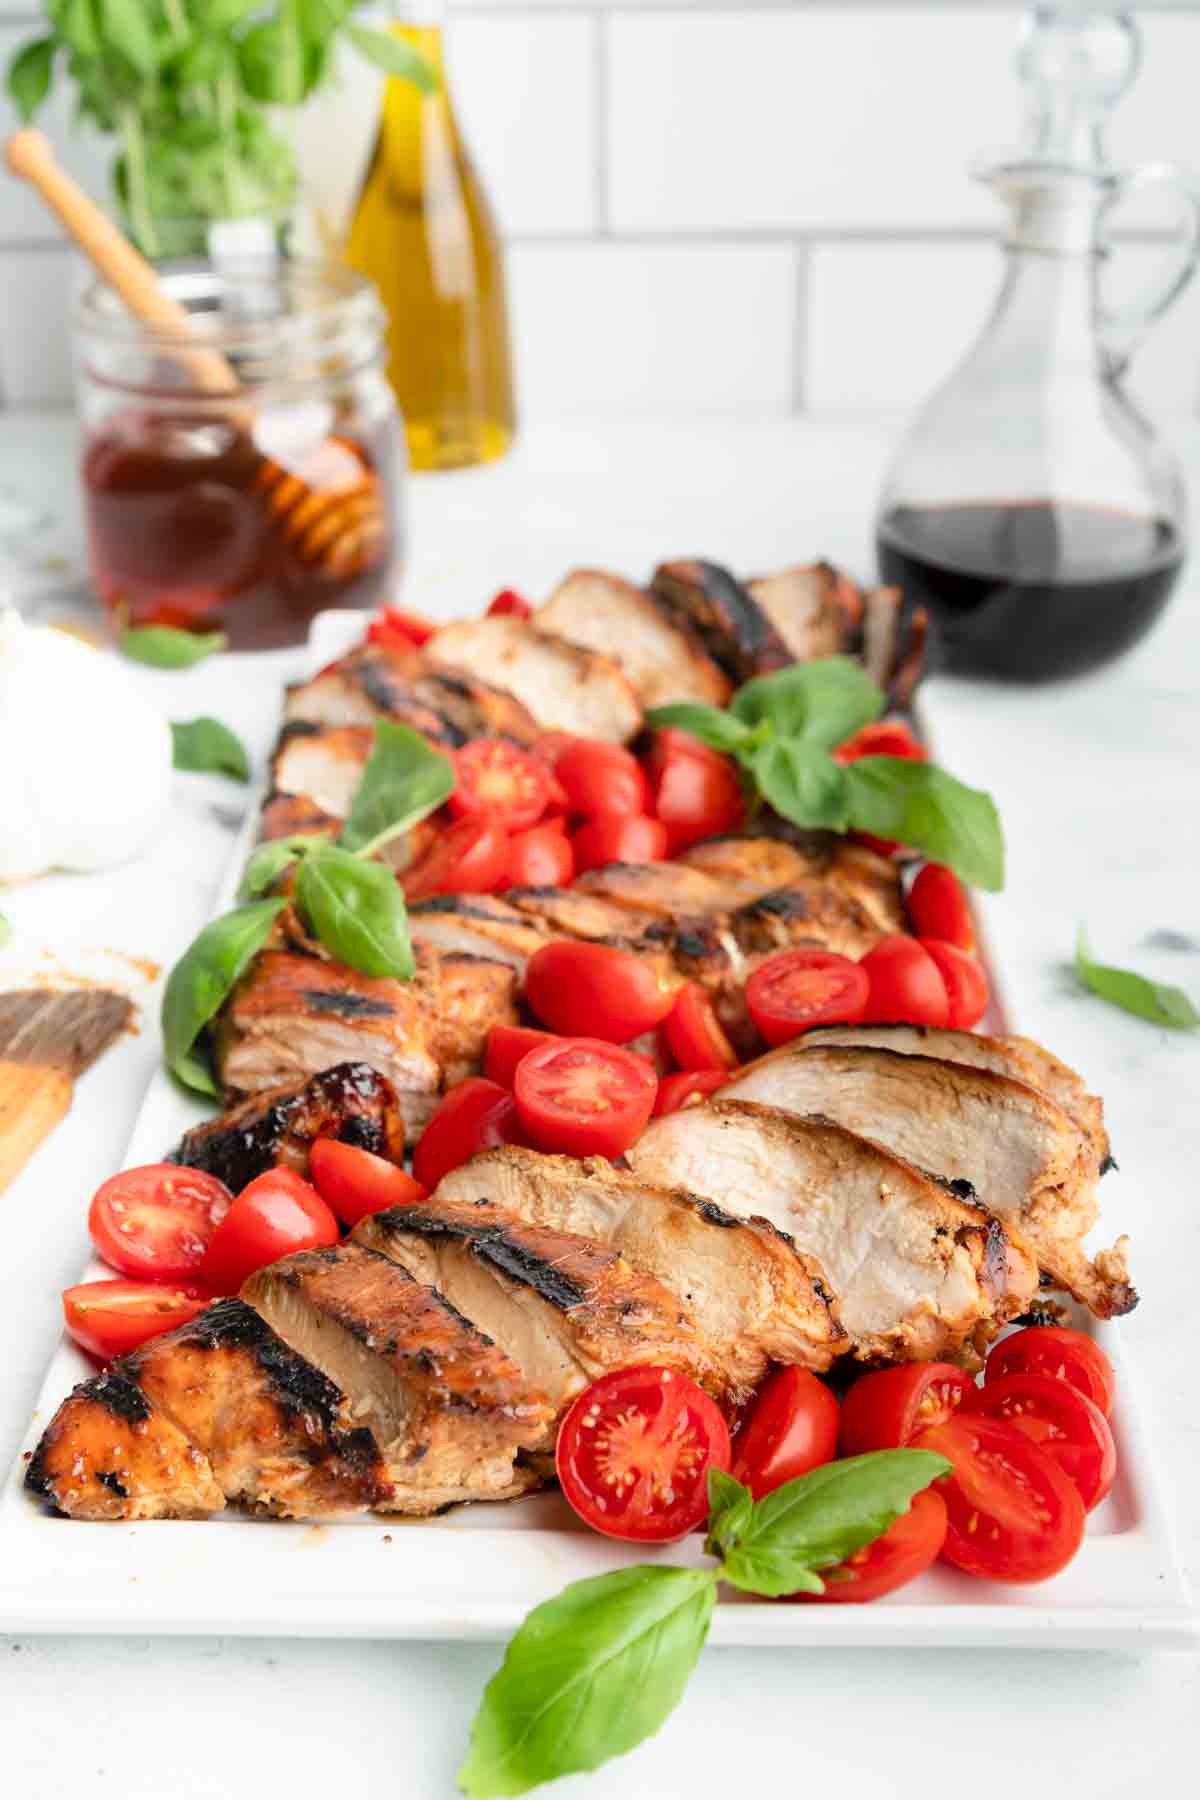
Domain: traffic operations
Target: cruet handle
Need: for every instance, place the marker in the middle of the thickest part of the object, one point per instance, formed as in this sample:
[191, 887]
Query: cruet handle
[1122, 328]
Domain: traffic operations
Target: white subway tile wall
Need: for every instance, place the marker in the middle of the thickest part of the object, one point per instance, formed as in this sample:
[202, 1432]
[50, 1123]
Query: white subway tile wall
[711, 208]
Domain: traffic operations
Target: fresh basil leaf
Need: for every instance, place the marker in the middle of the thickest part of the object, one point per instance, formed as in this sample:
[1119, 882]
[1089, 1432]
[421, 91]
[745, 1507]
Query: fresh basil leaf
[919, 804]
[201, 981]
[357, 910]
[823, 702]
[394, 56]
[589, 1675]
[730, 1510]
[205, 745]
[1133, 993]
[29, 74]
[266, 864]
[126, 26]
[162, 647]
[802, 782]
[825, 1516]
[719, 730]
[404, 780]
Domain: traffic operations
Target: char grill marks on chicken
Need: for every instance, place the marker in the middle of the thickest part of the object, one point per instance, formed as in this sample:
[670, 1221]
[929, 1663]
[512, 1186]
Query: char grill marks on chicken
[564, 686]
[754, 1298]
[350, 1101]
[447, 704]
[660, 652]
[1029, 1162]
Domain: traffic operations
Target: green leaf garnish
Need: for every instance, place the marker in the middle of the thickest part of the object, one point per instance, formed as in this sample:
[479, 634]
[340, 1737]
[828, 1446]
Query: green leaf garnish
[29, 76]
[267, 863]
[802, 783]
[722, 731]
[357, 910]
[1133, 993]
[730, 1510]
[206, 746]
[403, 781]
[919, 804]
[162, 647]
[202, 980]
[823, 702]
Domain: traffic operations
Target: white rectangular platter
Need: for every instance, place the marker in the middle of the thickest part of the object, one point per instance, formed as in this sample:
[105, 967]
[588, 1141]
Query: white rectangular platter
[475, 1573]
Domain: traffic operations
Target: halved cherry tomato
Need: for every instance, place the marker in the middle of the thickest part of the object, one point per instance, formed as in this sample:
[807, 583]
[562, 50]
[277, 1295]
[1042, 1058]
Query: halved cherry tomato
[910, 1545]
[584, 1096]
[618, 837]
[468, 858]
[693, 1032]
[498, 780]
[509, 601]
[675, 1091]
[792, 1427]
[600, 778]
[890, 738]
[549, 745]
[696, 791]
[1013, 1514]
[278, 1214]
[541, 857]
[906, 986]
[506, 1045]
[395, 629]
[156, 1222]
[1059, 1351]
[594, 990]
[356, 1183]
[886, 1409]
[473, 1115]
[965, 983]
[111, 1318]
[634, 1453]
[797, 989]
[938, 907]
[1063, 1421]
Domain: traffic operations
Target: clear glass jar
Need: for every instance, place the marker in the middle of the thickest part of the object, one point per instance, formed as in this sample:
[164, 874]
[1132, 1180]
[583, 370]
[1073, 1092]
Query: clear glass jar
[248, 474]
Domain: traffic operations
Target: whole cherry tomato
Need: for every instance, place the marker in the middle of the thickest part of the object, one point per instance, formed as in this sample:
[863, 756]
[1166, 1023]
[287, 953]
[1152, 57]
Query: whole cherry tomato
[473, 1115]
[595, 990]
[356, 1183]
[278, 1214]
[693, 1032]
[540, 857]
[938, 907]
[965, 983]
[905, 985]
[618, 837]
[696, 792]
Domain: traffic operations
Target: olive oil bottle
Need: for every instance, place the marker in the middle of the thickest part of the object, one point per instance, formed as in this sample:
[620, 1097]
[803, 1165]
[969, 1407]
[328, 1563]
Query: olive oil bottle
[423, 232]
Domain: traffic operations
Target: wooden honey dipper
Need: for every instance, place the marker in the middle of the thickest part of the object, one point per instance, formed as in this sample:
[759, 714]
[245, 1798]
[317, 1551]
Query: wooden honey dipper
[330, 508]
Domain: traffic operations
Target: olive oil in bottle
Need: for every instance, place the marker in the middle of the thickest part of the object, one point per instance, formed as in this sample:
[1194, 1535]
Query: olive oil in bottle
[423, 232]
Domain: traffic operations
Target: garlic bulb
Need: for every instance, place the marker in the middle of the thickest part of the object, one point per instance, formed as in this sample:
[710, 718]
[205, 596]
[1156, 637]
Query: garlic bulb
[85, 760]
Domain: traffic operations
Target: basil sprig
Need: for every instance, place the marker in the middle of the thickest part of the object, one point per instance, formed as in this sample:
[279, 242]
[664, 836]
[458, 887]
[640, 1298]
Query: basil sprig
[162, 647]
[202, 979]
[595, 1671]
[781, 730]
[403, 781]
[206, 746]
[357, 911]
[1157, 1001]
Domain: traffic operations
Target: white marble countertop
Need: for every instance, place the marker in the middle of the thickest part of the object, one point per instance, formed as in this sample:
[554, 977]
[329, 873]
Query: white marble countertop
[1097, 785]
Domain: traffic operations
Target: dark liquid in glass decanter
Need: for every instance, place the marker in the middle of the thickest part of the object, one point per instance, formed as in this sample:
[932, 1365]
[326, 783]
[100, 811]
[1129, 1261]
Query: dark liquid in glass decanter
[1034, 590]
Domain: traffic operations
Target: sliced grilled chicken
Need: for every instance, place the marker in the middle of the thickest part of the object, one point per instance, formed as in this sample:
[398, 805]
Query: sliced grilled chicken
[447, 1409]
[662, 656]
[573, 912]
[564, 687]
[351, 1102]
[754, 1297]
[368, 683]
[916, 1272]
[472, 994]
[321, 763]
[477, 925]
[287, 815]
[813, 607]
[750, 867]
[475, 708]
[734, 628]
[1028, 1161]
[563, 1307]
[807, 912]
[656, 890]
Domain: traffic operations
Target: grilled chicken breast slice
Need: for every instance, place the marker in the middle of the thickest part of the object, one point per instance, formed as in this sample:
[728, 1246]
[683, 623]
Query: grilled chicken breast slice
[321, 763]
[563, 1307]
[661, 654]
[564, 687]
[1028, 1161]
[351, 1102]
[471, 708]
[812, 607]
[286, 815]
[477, 925]
[916, 1272]
[754, 1297]
[447, 1409]
[369, 683]
[733, 627]
[750, 867]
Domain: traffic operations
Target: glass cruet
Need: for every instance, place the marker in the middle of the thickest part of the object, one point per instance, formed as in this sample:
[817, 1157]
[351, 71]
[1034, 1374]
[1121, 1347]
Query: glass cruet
[1032, 508]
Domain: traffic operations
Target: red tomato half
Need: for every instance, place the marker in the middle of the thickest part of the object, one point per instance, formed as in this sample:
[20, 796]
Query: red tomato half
[1014, 1515]
[886, 1409]
[887, 739]
[1056, 1350]
[356, 1183]
[395, 629]
[634, 1453]
[693, 1032]
[619, 838]
[938, 907]
[792, 1427]
[498, 780]
[791, 992]
[468, 858]
[509, 601]
[157, 1222]
[906, 986]
[909, 1546]
[506, 1045]
[965, 982]
[584, 1097]
[111, 1318]
[675, 1091]
[1069, 1426]
[696, 791]
[542, 857]
[593, 990]
[600, 778]
[474, 1115]
[278, 1214]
